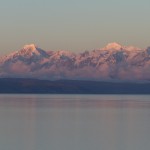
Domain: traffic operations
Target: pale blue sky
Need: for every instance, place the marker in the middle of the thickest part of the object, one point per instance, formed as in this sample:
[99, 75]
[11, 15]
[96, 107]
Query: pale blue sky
[75, 25]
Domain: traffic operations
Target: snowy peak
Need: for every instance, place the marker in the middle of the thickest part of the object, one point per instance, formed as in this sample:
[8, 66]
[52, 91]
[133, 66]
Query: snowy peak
[31, 47]
[27, 52]
[116, 46]
[65, 53]
[132, 48]
[32, 50]
[113, 45]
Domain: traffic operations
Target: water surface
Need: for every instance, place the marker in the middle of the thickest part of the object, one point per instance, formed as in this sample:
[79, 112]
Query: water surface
[75, 122]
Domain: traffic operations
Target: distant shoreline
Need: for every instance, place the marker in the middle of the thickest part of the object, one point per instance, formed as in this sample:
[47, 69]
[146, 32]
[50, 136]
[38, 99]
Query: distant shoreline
[35, 86]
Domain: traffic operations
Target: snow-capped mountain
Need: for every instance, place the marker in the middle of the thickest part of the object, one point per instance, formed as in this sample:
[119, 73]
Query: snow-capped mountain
[113, 62]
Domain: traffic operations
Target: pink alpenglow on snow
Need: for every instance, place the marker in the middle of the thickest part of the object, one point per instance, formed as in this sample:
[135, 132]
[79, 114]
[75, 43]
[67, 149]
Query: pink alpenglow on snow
[114, 62]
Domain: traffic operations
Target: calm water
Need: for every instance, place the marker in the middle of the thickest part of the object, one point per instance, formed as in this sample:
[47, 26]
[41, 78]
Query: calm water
[74, 122]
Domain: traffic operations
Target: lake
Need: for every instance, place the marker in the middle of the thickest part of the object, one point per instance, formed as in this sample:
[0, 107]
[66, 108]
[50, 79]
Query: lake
[74, 122]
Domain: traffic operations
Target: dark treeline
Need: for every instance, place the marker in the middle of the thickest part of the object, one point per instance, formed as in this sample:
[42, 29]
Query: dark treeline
[18, 85]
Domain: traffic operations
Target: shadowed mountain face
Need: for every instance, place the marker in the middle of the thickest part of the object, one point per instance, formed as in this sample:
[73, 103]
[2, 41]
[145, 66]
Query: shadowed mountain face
[113, 62]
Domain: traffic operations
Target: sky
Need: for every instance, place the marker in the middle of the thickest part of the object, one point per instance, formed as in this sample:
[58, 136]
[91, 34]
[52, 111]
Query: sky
[75, 25]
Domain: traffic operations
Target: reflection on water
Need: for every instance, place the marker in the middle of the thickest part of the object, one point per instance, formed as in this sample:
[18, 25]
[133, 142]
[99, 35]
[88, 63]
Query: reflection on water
[74, 122]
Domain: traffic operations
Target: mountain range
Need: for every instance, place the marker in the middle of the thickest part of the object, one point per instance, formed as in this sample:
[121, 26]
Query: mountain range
[114, 62]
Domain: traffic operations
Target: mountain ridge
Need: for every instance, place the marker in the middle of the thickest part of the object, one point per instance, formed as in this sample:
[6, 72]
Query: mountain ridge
[113, 62]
